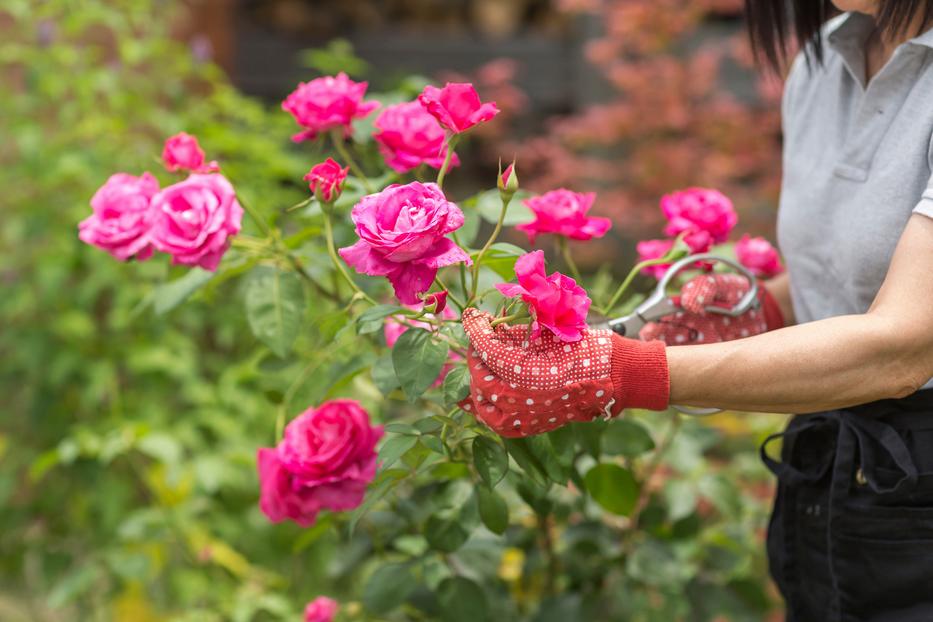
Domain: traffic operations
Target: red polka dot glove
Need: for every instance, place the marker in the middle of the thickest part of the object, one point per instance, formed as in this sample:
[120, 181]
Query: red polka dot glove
[520, 387]
[695, 325]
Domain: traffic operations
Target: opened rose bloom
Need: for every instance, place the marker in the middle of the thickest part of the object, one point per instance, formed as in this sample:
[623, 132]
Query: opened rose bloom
[408, 136]
[563, 212]
[702, 209]
[321, 609]
[556, 302]
[194, 220]
[325, 460]
[327, 103]
[122, 216]
[183, 153]
[758, 255]
[402, 237]
[457, 106]
[326, 180]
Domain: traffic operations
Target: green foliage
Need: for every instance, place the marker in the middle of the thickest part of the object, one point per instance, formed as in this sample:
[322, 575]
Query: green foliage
[136, 398]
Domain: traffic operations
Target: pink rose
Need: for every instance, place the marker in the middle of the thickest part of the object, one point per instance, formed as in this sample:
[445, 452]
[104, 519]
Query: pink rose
[325, 460]
[759, 256]
[556, 301]
[122, 215]
[408, 136]
[564, 212]
[183, 153]
[321, 609]
[701, 209]
[457, 106]
[326, 103]
[402, 236]
[326, 180]
[194, 219]
[653, 249]
[508, 180]
[438, 300]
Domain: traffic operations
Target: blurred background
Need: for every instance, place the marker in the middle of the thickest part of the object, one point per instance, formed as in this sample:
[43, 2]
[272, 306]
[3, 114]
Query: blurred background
[127, 436]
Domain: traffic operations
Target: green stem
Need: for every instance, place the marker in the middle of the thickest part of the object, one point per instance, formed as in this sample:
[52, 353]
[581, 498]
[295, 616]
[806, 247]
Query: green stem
[451, 143]
[652, 467]
[474, 283]
[669, 257]
[300, 204]
[509, 318]
[340, 146]
[565, 253]
[256, 216]
[332, 251]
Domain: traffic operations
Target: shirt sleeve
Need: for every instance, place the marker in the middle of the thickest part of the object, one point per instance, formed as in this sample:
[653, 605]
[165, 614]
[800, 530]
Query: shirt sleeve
[925, 204]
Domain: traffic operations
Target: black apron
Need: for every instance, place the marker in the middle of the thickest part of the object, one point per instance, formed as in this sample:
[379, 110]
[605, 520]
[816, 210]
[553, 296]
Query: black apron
[851, 535]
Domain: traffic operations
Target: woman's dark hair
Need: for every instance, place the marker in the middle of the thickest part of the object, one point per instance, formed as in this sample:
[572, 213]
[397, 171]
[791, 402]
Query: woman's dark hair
[774, 25]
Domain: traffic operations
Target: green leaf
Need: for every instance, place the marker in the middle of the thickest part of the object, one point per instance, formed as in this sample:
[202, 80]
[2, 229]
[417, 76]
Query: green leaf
[492, 510]
[563, 443]
[654, 563]
[613, 488]
[393, 448]
[681, 496]
[543, 452]
[388, 587]
[501, 257]
[462, 600]
[383, 374]
[519, 450]
[434, 444]
[626, 437]
[490, 459]
[489, 206]
[590, 435]
[372, 319]
[168, 296]
[418, 360]
[456, 385]
[445, 534]
[275, 303]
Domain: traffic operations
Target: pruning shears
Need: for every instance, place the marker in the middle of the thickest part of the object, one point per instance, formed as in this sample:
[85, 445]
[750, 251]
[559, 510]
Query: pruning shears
[660, 304]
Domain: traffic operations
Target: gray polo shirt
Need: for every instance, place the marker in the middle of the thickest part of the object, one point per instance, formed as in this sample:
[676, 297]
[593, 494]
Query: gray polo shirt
[857, 164]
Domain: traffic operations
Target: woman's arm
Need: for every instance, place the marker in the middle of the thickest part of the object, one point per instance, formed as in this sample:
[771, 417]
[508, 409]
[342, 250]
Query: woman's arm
[832, 363]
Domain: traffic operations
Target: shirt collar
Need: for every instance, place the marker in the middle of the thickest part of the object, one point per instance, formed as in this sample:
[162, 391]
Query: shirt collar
[851, 30]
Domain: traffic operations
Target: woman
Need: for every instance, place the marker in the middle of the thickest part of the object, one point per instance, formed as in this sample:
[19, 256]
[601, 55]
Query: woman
[846, 335]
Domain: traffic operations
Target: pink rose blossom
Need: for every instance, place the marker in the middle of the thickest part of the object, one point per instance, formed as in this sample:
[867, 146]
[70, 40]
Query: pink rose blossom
[457, 106]
[436, 299]
[122, 216]
[556, 301]
[321, 609]
[653, 249]
[408, 136]
[759, 256]
[326, 180]
[326, 103]
[183, 153]
[508, 180]
[402, 237]
[564, 212]
[325, 460]
[699, 209]
[194, 220]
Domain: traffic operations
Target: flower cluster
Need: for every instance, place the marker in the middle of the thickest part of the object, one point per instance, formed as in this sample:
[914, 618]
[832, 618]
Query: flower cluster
[191, 220]
[325, 460]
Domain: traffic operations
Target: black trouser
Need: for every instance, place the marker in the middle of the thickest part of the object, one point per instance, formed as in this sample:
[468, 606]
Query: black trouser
[851, 535]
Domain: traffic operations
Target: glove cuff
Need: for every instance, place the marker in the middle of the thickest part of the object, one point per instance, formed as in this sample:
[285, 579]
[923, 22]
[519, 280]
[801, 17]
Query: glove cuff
[774, 319]
[640, 376]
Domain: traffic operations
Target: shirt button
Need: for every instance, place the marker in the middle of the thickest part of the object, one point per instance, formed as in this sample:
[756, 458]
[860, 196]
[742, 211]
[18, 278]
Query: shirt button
[860, 477]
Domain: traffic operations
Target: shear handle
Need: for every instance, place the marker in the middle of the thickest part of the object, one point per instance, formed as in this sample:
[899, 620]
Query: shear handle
[746, 302]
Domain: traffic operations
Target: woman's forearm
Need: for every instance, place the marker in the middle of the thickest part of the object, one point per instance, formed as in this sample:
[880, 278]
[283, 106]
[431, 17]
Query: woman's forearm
[816, 366]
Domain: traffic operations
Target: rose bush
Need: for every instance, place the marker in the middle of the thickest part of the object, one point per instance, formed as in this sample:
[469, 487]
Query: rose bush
[129, 470]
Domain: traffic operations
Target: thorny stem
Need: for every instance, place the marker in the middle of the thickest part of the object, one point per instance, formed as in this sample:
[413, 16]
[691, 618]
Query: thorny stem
[451, 143]
[338, 140]
[332, 251]
[492, 238]
[568, 259]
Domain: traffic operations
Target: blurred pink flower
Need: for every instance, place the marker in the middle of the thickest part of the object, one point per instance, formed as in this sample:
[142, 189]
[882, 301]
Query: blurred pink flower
[556, 301]
[326, 103]
[457, 106]
[402, 234]
[409, 136]
[122, 216]
[326, 180]
[704, 209]
[653, 249]
[325, 460]
[758, 255]
[564, 212]
[321, 609]
[194, 220]
[183, 153]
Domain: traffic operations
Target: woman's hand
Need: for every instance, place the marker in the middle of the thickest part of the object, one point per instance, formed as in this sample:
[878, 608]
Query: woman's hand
[695, 325]
[521, 386]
